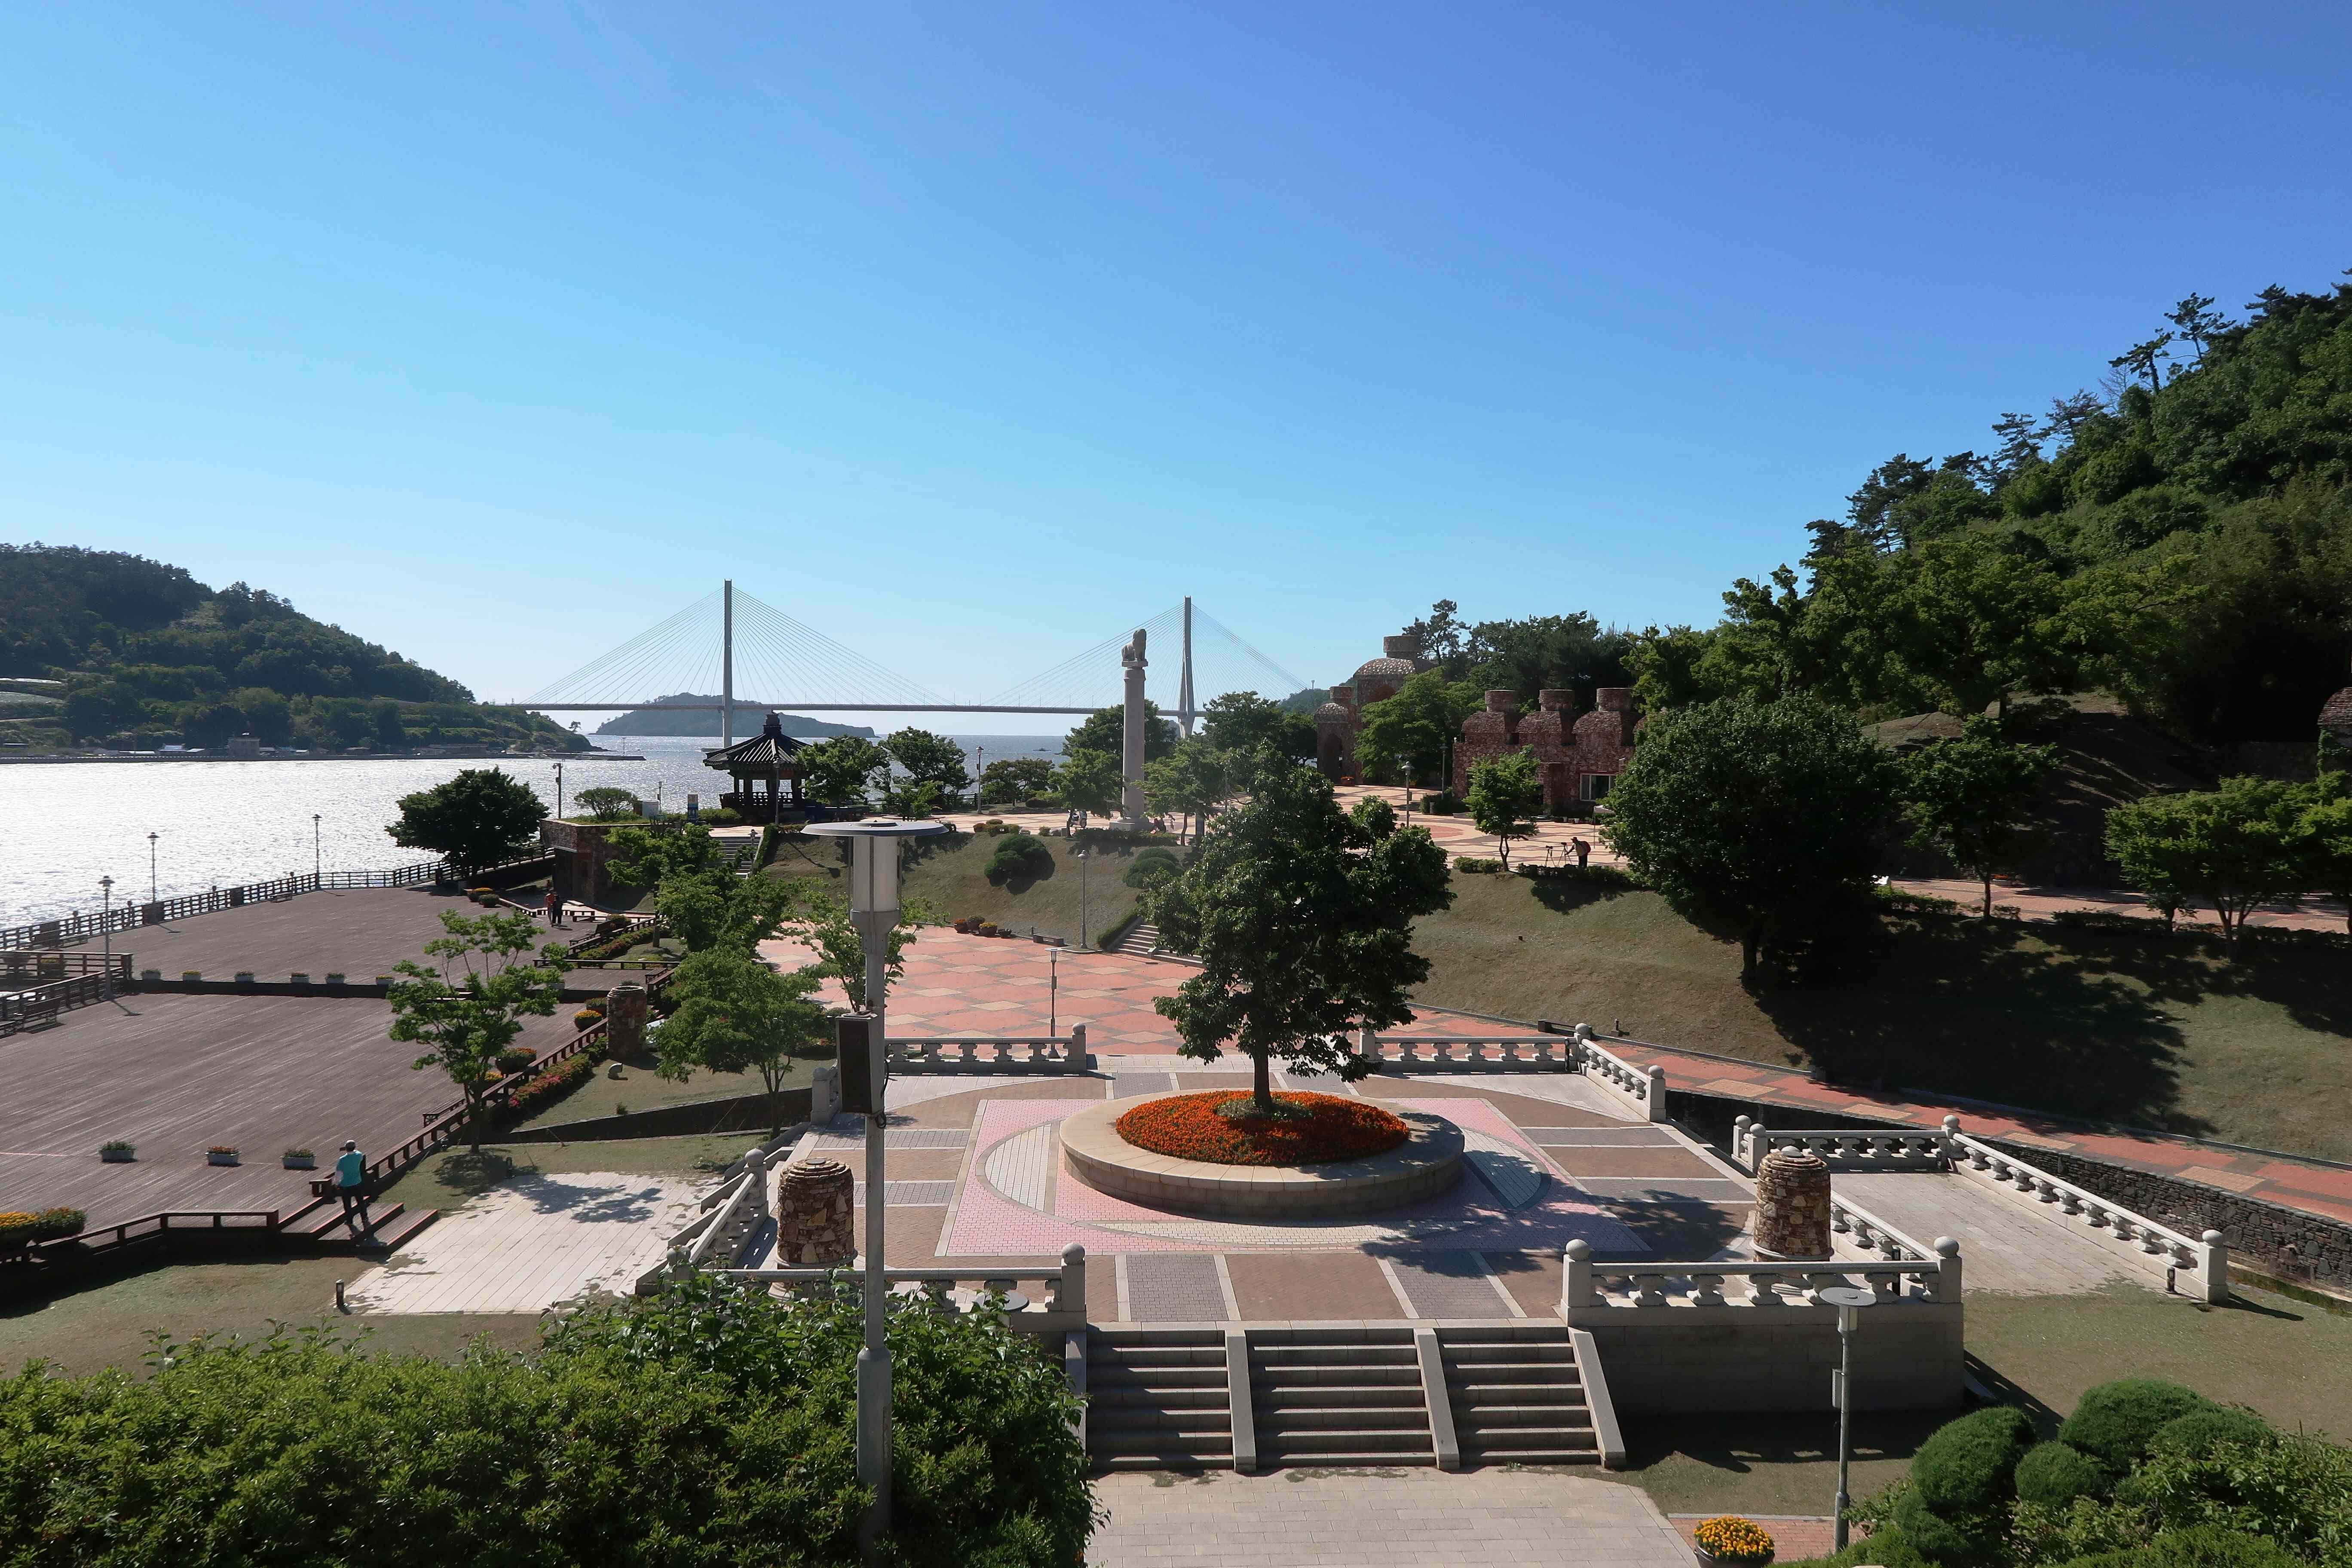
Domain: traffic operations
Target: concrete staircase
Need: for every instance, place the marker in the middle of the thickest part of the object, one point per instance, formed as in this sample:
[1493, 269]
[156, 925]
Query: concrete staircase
[1337, 1396]
[1156, 1399]
[1142, 939]
[1517, 1396]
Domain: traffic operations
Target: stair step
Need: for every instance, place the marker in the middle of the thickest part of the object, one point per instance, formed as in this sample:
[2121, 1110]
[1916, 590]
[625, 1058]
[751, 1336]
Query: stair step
[393, 1240]
[1528, 1457]
[1165, 1443]
[1550, 1420]
[1165, 1461]
[1101, 1374]
[1323, 1396]
[1287, 1357]
[1154, 1356]
[1316, 1440]
[1349, 1420]
[1368, 1460]
[1510, 1352]
[1107, 1420]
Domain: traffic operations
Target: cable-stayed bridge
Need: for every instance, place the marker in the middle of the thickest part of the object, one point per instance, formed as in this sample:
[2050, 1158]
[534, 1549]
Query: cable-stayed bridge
[758, 659]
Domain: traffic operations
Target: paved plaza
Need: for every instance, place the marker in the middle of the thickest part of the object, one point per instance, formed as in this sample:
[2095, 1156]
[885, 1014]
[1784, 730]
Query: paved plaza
[1384, 1518]
[532, 1243]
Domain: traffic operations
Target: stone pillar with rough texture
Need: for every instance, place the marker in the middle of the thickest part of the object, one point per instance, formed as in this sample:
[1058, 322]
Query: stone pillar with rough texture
[624, 1020]
[816, 1215]
[1792, 1204]
[1132, 735]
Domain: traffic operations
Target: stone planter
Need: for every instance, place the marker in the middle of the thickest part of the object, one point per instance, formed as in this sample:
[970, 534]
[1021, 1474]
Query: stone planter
[118, 1156]
[1707, 1559]
[1792, 1204]
[1429, 1161]
[301, 1162]
[220, 1157]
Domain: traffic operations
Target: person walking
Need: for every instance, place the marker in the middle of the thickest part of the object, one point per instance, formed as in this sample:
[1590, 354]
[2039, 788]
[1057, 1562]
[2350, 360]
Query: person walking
[350, 1184]
[1583, 853]
[554, 909]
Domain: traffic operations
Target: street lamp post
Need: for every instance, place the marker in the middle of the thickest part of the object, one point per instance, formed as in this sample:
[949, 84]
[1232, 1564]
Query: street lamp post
[106, 932]
[152, 894]
[1849, 1300]
[315, 878]
[1053, 990]
[873, 910]
[559, 792]
[1080, 856]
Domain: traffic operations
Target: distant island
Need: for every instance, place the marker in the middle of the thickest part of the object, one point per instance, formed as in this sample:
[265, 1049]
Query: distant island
[651, 720]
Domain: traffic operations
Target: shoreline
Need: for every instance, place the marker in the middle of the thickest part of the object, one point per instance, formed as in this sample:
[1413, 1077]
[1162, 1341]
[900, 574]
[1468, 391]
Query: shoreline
[592, 756]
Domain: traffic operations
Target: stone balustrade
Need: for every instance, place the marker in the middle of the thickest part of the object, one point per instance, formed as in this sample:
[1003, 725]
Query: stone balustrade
[1869, 1231]
[1057, 1296]
[1587, 1287]
[1844, 1149]
[2206, 1259]
[1645, 1089]
[733, 1214]
[1468, 1053]
[990, 1054]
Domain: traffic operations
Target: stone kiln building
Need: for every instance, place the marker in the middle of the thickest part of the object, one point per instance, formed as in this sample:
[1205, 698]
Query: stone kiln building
[1338, 721]
[1579, 754]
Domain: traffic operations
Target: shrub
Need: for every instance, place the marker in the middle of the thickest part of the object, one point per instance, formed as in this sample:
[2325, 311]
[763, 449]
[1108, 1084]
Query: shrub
[17, 1226]
[721, 815]
[1476, 863]
[52, 1223]
[583, 1018]
[117, 1146]
[1971, 1463]
[1019, 858]
[2053, 1475]
[1151, 867]
[514, 1059]
[2197, 1434]
[707, 1426]
[2115, 1422]
[2296, 1490]
[549, 1085]
[2203, 1547]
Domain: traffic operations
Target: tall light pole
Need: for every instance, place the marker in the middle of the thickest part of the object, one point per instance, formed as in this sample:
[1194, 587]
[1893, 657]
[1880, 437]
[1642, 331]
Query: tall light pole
[315, 864]
[1053, 990]
[873, 910]
[559, 792]
[1849, 1300]
[150, 868]
[106, 932]
[1080, 856]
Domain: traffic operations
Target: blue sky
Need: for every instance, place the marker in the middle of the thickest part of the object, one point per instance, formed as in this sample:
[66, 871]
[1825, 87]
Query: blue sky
[971, 334]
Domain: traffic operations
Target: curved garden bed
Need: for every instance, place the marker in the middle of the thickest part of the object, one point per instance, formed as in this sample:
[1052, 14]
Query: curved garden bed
[1219, 1129]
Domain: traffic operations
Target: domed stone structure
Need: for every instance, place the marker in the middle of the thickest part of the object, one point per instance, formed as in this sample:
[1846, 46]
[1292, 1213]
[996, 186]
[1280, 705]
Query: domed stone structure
[1579, 754]
[816, 1222]
[1792, 1204]
[1338, 721]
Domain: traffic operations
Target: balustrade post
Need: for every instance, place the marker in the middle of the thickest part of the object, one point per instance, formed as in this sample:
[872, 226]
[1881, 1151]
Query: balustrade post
[2213, 1266]
[1739, 1126]
[1657, 1093]
[1760, 1144]
[1076, 1060]
[1947, 1269]
[1576, 1277]
[1071, 1296]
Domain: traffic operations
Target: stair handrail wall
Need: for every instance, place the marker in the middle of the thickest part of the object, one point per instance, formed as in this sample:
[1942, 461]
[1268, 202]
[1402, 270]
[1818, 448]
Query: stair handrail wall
[1843, 1148]
[2205, 1258]
[744, 1210]
[1587, 1287]
[918, 1055]
[1062, 1309]
[1607, 1435]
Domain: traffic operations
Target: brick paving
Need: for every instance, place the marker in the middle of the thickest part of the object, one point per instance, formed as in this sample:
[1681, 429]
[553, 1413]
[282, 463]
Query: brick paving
[1381, 1518]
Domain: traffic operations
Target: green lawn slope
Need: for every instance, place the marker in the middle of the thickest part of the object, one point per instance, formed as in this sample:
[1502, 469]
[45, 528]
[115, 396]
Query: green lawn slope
[953, 880]
[2130, 1026]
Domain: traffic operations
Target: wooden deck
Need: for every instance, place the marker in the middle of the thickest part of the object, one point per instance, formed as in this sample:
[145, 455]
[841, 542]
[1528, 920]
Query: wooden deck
[173, 1074]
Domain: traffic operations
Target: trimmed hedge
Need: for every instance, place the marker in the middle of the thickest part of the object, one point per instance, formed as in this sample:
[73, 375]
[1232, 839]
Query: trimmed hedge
[2055, 1474]
[1019, 856]
[1969, 1463]
[2197, 1433]
[2115, 1422]
[2204, 1546]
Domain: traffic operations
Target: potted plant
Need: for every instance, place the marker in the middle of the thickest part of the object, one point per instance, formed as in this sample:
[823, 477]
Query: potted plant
[1730, 1538]
[116, 1151]
[16, 1228]
[221, 1155]
[299, 1160]
[55, 1225]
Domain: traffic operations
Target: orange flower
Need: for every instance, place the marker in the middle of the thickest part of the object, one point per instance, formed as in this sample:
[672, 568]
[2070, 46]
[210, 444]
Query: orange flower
[1191, 1127]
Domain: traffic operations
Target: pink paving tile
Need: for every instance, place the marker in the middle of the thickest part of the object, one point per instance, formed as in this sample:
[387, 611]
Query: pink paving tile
[987, 1224]
[2308, 1178]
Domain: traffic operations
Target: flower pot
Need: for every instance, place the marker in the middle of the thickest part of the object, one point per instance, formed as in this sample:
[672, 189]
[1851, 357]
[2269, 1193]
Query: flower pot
[214, 1157]
[299, 1162]
[118, 1156]
[1710, 1559]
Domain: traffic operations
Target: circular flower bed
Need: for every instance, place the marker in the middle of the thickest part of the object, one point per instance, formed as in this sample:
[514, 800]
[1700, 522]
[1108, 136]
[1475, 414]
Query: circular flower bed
[1193, 1127]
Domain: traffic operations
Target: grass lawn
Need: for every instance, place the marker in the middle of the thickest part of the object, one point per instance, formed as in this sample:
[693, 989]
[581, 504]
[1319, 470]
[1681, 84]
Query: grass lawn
[640, 1088]
[2290, 1362]
[2135, 1028]
[953, 878]
[109, 1325]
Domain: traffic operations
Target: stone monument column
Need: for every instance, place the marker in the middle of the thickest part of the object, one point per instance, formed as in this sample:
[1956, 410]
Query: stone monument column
[625, 1021]
[1131, 659]
[1792, 1204]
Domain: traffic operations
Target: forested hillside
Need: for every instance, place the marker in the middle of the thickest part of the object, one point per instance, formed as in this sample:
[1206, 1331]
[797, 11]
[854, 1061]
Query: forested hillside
[2183, 538]
[151, 656]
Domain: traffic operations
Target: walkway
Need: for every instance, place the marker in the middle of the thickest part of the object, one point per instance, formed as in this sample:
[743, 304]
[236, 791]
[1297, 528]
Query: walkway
[534, 1242]
[1401, 1518]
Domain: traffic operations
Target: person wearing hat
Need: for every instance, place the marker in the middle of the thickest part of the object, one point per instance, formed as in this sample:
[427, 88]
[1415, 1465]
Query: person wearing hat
[351, 1183]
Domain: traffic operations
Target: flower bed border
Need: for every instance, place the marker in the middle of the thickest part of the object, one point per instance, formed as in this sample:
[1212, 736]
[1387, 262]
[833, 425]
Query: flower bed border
[1429, 1161]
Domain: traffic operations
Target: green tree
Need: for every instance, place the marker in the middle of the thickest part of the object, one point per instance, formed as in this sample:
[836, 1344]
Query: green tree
[1981, 622]
[1411, 730]
[844, 770]
[820, 918]
[1505, 796]
[1090, 781]
[1105, 730]
[1753, 817]
[1242, 721]
[731, 1013]
[1015, 779]
[2237, 847]
[925, 758]
[482, 817]
[1193, 780]
[391, 734]
[1972, 798]
[2326, 835]
[1302, 917]
[471, 1006]
[701, 902]
[606, 804]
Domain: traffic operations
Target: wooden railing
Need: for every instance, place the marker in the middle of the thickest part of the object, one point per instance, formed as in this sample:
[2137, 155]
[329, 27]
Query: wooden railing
[40, 963]
[80, 925]
[101, 1239]
[42, 1003]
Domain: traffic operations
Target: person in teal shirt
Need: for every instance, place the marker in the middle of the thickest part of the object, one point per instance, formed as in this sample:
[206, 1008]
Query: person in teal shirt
[350, 1182]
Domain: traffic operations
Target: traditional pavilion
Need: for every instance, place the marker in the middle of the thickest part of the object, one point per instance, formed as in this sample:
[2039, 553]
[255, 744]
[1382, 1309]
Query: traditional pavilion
[767, 758]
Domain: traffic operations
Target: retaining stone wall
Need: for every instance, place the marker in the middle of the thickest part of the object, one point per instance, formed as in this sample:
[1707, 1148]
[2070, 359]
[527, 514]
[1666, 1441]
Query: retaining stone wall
[1711, 1360]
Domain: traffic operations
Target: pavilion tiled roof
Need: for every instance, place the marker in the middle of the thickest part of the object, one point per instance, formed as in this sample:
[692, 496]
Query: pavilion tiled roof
[770, 748]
